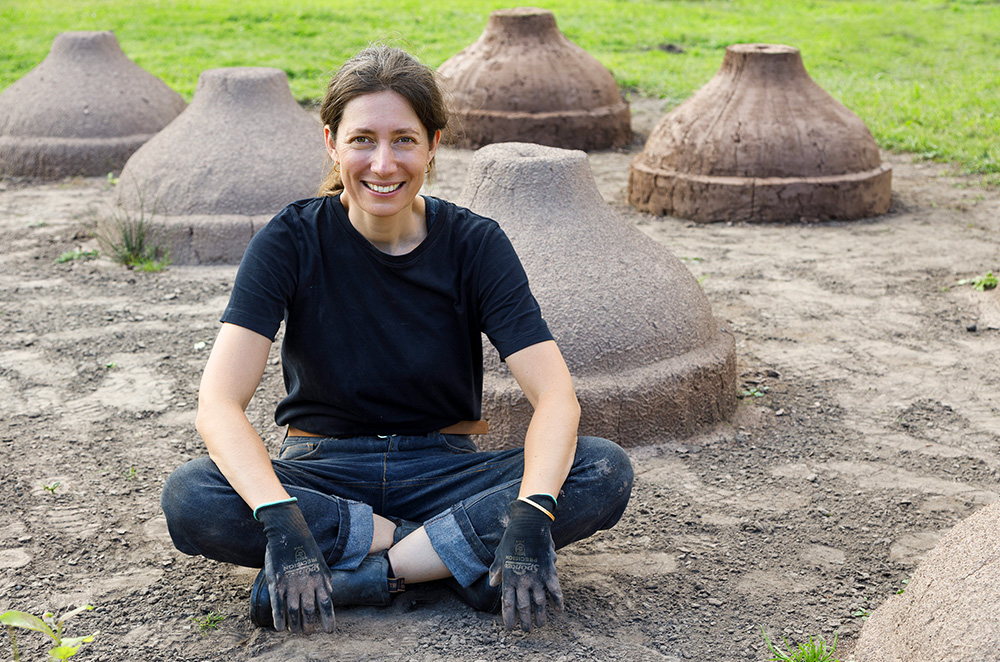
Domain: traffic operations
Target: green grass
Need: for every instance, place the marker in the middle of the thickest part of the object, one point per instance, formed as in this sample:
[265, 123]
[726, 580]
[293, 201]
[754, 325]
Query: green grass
[812, 651]
[921, 73]
[208, 622]
[76, 254]
[132, 239]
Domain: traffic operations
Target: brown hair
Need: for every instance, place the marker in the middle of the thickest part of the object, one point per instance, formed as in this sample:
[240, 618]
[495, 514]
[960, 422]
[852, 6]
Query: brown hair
[381, 68]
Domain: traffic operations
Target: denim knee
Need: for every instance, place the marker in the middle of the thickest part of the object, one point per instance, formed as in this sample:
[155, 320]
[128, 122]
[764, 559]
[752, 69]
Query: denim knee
[182, 501]
[609, 470]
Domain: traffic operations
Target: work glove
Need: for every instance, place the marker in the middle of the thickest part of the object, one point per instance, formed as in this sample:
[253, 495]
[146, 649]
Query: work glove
[525, 563]
[298, 579]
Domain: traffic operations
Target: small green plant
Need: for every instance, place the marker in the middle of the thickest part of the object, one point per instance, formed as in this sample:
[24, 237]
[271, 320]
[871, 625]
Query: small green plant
[987, 282]
[813, 651]
[65, 648]
[51, 489]
[754, 391]
[209, 621]
[861, 613]
[76, 254]
[131, 239]
[900, 591]
[112, 180]
[130, 473]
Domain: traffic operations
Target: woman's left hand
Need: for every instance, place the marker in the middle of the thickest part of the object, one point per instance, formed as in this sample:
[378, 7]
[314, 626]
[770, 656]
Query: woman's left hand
[525, 564]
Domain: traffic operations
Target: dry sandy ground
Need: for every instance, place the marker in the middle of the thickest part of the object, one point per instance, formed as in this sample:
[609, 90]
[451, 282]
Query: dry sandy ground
[876, 428]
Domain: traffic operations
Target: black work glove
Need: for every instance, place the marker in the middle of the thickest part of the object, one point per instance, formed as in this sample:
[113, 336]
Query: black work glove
[525, 563]
[298, 579]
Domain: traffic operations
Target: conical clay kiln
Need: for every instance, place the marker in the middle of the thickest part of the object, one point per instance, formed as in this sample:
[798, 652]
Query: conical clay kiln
[241, 152]
[761, 142]
[524, 81]
[649, 360]
[82, 111]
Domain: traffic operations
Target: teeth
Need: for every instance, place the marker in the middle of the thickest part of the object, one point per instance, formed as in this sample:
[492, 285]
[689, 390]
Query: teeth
[383, 189]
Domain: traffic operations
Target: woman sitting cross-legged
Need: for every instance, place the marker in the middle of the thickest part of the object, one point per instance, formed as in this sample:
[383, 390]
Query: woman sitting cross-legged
[384, 294]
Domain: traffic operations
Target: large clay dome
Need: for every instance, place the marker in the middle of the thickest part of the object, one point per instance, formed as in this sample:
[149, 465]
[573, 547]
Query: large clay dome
[761, 142]
[948, 611]
[649, 360]
[524, 81]
[82, 111]
[241, 151]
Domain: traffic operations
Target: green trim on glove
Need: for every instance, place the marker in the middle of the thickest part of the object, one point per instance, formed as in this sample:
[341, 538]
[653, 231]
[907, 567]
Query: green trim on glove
[272, 503]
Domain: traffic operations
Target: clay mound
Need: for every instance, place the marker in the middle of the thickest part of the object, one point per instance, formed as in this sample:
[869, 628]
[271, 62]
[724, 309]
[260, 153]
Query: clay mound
[82, 111]
[523, 80]
[948, 611]
[241, 151]
[761, 142]
[649, 360]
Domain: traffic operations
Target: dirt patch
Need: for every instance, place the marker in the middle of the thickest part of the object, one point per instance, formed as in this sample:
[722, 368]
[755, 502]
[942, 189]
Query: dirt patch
[868, 427]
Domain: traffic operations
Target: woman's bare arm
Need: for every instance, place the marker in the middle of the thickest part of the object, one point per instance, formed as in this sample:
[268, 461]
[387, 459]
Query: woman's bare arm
[550, 442]
[231, 377]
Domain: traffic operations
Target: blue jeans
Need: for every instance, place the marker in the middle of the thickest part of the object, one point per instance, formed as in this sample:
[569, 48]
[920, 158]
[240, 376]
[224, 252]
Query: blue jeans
[460, 494]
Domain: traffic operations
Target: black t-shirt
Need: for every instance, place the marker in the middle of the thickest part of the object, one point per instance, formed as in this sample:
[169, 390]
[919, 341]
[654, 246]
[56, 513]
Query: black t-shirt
[376, 343]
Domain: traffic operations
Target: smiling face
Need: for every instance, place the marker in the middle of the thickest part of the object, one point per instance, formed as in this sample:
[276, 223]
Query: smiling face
[383, 151]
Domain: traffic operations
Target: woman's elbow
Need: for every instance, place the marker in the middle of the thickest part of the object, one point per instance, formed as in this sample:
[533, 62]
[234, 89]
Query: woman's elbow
[568, 407]
[573, 407]
[208, 416]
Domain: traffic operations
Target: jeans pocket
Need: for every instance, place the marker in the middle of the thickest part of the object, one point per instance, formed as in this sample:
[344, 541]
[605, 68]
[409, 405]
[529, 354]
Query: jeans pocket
[458, 443]
[299, 448]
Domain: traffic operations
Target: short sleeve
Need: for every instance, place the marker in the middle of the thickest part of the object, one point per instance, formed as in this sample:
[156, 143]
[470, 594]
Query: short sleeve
[266, 280]
[510, 316]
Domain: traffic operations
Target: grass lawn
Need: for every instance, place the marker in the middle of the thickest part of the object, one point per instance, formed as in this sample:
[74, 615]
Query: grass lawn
[923, 74]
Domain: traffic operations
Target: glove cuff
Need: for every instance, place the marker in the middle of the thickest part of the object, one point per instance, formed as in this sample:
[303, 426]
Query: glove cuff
[272, 503]
[545, 500]
[542, 503]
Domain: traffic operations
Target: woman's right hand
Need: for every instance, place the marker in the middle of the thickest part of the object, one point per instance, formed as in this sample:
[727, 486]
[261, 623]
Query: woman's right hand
[298, 578]
[297, 575]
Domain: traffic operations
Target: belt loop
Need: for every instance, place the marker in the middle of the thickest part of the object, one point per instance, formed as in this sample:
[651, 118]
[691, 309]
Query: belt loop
[391, 440]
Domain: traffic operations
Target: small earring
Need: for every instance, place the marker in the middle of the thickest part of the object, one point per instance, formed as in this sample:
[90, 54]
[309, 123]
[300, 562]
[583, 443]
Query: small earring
[427, 170]
[336, 167]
